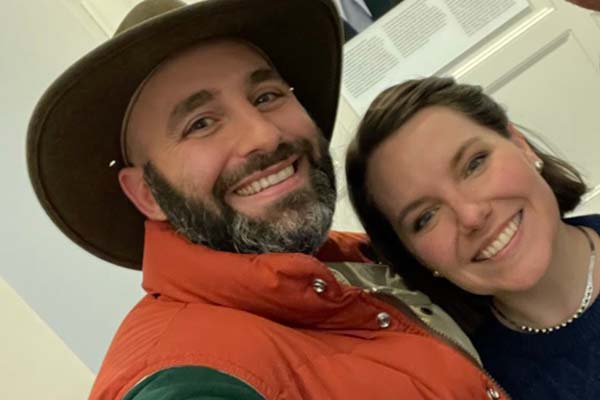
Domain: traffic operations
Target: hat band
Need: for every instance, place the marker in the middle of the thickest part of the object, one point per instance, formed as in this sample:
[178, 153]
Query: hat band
[128, 110]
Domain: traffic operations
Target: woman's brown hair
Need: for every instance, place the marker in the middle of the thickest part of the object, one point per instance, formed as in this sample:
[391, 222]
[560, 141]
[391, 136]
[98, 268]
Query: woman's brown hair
[386, 114]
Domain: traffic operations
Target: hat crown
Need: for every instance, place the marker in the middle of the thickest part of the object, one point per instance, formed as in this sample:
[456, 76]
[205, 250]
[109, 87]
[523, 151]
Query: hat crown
[146, 10]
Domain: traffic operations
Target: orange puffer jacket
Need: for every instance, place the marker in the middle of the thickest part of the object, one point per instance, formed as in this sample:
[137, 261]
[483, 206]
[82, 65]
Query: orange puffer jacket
[263, 320]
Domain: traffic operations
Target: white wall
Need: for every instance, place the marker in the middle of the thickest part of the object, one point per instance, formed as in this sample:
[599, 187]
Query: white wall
[80, 297]
[35, 363]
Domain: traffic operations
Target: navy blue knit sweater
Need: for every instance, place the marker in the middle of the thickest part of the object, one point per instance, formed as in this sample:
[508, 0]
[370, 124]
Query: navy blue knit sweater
[564, 364]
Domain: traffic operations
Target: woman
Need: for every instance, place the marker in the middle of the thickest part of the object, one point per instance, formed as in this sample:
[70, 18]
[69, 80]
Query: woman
[470, 212]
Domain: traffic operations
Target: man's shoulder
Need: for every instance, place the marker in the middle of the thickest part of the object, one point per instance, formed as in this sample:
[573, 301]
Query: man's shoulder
[346, 246]
[157, 323]
[139, 333]
[160, 334]
[347, 235]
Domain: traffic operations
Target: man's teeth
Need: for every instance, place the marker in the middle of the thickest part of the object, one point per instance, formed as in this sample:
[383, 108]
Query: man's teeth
[263, 183]
[502, 240]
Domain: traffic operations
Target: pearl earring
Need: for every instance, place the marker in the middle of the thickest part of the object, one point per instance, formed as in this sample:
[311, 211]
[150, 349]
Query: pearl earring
[436, 273]
[539, 165]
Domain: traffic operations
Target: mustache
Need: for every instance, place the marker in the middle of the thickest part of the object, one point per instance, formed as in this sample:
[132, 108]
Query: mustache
[261, 161]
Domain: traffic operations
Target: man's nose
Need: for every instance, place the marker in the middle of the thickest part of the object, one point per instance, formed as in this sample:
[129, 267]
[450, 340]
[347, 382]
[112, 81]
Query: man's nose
[256, 132]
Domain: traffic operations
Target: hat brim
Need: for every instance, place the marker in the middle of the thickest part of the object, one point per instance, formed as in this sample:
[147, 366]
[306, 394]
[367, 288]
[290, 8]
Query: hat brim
[74, 133]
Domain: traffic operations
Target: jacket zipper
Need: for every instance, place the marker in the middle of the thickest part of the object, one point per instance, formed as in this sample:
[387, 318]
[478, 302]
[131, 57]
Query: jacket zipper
[405, 309]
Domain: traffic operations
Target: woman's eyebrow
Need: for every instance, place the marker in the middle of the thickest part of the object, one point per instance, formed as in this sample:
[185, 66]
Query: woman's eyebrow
[455, 161]
[408, 209]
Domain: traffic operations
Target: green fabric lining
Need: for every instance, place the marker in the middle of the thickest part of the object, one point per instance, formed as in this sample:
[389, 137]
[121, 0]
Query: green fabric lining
[192, 383]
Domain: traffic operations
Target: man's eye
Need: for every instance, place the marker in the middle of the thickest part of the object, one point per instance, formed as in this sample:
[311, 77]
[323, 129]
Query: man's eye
[475, 163]
[267, 98]
[200, 124]
[423, 219]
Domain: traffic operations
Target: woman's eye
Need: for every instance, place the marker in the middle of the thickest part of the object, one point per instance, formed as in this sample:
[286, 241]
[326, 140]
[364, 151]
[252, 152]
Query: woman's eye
[200, 124]
[423, 219]
[475, 163]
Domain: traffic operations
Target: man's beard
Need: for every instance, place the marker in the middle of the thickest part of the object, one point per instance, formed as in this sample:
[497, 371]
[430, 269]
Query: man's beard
[299, 222]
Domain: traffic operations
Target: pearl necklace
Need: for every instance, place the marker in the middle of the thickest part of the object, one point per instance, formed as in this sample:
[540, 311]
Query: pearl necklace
[585, 301]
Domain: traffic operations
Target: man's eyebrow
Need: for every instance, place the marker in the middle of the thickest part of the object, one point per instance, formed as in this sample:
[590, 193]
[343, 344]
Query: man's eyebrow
[202, 97]
[263, 74]
[461, 152]
[189, 104]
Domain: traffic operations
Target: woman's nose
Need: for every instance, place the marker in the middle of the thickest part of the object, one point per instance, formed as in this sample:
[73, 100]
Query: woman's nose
[473, 215]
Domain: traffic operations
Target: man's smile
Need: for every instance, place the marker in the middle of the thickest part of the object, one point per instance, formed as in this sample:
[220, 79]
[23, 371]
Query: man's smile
[267, 178]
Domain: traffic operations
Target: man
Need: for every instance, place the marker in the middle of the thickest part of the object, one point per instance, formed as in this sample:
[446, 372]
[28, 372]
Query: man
[213, 120]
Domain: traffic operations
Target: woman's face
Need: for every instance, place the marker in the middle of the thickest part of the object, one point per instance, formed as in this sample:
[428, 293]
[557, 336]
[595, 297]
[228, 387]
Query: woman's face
[466, 201]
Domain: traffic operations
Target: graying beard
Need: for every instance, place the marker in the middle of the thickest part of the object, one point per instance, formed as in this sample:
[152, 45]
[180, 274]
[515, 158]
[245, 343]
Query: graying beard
[302, 231]
[301, 225]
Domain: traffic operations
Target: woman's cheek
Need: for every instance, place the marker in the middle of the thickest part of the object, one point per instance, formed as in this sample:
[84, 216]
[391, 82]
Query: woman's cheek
[434, 250]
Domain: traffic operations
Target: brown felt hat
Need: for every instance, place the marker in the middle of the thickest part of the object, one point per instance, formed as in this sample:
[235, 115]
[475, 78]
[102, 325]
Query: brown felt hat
[73, 141]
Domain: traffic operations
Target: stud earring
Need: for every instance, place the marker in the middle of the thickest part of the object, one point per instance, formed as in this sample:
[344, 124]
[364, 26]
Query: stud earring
[539, 165]
[436, 273]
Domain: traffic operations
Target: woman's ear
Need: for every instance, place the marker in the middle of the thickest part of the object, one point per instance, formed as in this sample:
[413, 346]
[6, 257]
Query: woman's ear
[517, 137]
[135, 188]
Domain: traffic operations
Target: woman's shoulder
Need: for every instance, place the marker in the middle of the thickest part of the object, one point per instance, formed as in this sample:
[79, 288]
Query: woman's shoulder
[589, 220]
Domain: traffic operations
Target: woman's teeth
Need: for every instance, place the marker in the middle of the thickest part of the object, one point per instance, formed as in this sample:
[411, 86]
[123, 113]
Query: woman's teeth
[502, 240]
[263, 183]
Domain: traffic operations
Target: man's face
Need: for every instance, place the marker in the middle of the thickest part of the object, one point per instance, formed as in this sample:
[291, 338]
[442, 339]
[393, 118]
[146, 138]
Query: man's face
[231, 157]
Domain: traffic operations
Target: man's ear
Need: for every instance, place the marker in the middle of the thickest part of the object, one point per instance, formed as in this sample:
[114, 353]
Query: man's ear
[135, 188]
[521, 142]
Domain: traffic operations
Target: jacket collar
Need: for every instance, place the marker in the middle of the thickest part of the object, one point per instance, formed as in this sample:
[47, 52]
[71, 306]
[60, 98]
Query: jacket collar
[276, 286]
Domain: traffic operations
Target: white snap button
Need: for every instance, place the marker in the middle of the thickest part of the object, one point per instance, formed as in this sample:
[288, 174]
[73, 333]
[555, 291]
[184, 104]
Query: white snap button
[493, 393]
[384, 320]
[319, 285]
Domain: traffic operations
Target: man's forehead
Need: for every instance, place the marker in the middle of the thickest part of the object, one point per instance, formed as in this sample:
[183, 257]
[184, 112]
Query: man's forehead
[203, 72]
[208, 66]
